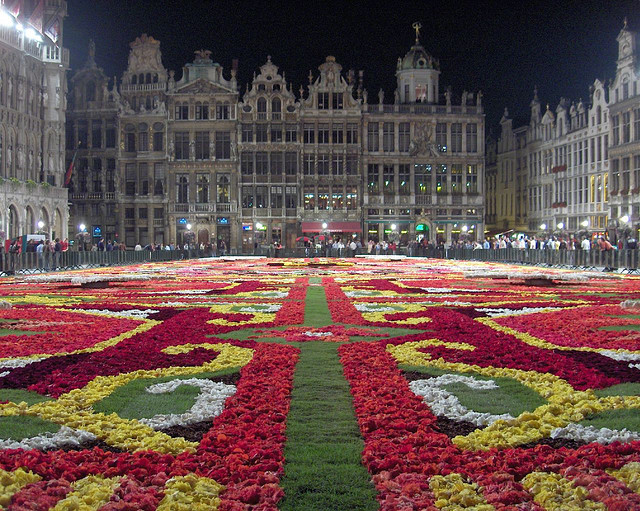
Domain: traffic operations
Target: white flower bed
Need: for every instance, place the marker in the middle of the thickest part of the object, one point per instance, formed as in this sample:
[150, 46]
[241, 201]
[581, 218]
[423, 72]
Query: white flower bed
[131, 314]
[591, 434]
[532, 275]
[630, 304]
[208, 404]
[498, 313]
[65, 437]
[444, 403]
[84, 279]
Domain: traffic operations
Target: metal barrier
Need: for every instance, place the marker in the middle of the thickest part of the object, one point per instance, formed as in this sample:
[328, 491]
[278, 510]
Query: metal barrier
[32, 262]
[626, 260]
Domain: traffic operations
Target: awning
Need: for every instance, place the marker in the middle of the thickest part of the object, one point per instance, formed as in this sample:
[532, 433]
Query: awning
[331, 227]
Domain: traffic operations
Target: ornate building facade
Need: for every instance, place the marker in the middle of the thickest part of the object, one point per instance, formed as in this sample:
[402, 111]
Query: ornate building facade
[193, 160]
[32, 119]
[575, 170]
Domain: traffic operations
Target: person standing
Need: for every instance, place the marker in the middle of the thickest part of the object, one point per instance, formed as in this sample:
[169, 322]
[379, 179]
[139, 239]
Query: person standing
[40, 255]
[57, 251]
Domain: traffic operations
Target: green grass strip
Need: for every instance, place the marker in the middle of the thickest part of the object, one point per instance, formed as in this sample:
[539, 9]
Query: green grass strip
[621, 389]
[619, 328]
[19, 395]
[316, 310]
[615, 419]
[323, 453]
[19, 427]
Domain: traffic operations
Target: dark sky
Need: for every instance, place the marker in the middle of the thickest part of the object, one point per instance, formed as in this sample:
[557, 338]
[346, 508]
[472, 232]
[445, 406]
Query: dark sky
[503, 48]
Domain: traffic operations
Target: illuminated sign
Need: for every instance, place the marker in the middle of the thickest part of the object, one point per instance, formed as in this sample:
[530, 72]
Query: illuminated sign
[223, 220]
[182, 221]
[97, 232]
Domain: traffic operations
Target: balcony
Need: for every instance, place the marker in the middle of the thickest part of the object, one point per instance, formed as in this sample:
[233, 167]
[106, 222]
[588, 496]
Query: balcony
[423, 200]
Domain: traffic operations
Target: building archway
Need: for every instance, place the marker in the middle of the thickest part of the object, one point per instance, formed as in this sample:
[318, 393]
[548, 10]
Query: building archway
[203, 236]
[14, 223]
[57, 225]
[30, 225]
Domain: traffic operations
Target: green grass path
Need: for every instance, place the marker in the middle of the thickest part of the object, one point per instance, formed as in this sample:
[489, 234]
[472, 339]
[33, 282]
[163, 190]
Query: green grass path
[323, 470]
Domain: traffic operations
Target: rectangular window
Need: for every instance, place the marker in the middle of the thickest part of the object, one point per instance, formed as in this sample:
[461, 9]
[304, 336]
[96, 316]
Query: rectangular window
[129, 213]
[261, 133]
[323, 197]
[247, 197]
[222, 111]
[323, 133]
[472, 138]
[96, 134]
[202, 111]
[337, 198]
[388, 134]
[291, 197]
[352, 197]
[158, 213]
[143, 179]
[337, 164]
[404, 138]
[158, 141]
[291, 164]
[202, 145]
[456, 179]
[130, 142]
[247, 132]
[291, 131]
[262, 163]
[276, 197]
[337, 133]
[456, 137]
[182, 111]
[636, 124]
[202, 188]
[309, 164]
[373, 142]
[337, 100]
[223, 186]
[352, 133]
[404, 178]
[309, 199]
[223, 145]
[388, 179]
[158, 179]
[276, 164]
[181, 145]
[182, 188]
[373, 178]
[626, 127]
[261, 197]
[309, 134]
[110, 135]
[441, 179]
[323, 101]
[422, 178]
[323, 164]
[352, 164]
[615, 124]
[130, 178]
[441, 136]
[276, 133]
[246, 163]
[472, 179]
[626, 174]
[614, 184]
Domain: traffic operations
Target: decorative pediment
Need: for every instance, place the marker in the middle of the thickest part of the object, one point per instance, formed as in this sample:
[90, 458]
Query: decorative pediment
[202, 86]
[145, 55]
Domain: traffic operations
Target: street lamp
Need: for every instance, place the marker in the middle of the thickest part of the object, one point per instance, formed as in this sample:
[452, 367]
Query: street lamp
[40, 225]
[543, 227]
[560, 225]
[188, 227]
[624, 219]
[585, 223]
[82, 227]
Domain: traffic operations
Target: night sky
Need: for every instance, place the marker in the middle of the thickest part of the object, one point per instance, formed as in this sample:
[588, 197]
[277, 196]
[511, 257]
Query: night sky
[502, 48]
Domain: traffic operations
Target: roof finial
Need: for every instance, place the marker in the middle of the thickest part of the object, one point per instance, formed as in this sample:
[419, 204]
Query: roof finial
[417, 26]
[625, 23]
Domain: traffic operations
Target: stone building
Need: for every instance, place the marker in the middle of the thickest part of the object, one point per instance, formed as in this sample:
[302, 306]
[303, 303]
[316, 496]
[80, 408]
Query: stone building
[197, 162]
[32, 120]
[578, 165]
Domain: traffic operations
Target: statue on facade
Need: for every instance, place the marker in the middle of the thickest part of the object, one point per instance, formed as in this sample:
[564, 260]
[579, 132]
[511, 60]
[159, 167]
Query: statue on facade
[479, 98]
[380, 96]
[423, 143]
[171, 149]
[30, 160]
[50, 169]
[447, 96]
[20, 157]
[192, 150]
[464, 98]
[9, 88]
[20, 90]
[9, 156]
[365, 96]
[396, 97]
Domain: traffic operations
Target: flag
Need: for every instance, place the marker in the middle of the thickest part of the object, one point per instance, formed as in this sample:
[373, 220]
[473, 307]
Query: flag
[67, 176]
[52, 30]
[14, 7]
[35, 19]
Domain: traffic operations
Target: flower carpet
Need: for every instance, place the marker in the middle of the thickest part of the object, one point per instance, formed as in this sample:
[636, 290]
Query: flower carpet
[353, 384]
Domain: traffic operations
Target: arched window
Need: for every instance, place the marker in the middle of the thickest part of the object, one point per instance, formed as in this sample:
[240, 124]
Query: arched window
[599, 115]
[262, 108]
[90, 94]
[148, 78]
[134, 80]
[148, 103]
[155, 78]
[141, 78]
[276, 108]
